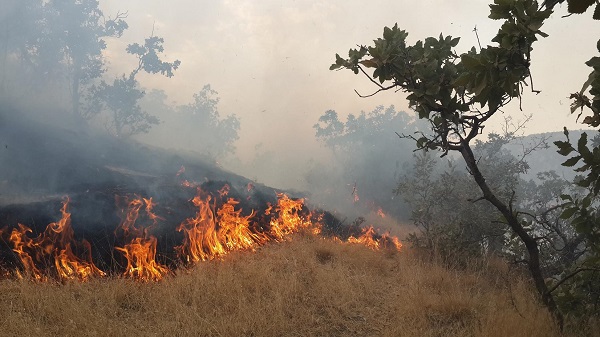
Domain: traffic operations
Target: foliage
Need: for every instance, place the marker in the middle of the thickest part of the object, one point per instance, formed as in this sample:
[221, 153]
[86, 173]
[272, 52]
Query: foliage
[458, 94]
[71, 40]
[201, 120]
[121, 98]
[367, 155]
[451, 224]
[581, 293]
[443, 87]
[148, 58]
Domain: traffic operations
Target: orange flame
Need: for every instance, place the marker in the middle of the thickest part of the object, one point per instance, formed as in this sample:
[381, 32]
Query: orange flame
[288, 219]
[141, 264]
[380, 212]
[55, 243]
[212, 233]
[369, 239]
[207, 236]
[141, 251]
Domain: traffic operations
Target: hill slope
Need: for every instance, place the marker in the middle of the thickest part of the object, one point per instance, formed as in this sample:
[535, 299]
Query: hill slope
[303, 287]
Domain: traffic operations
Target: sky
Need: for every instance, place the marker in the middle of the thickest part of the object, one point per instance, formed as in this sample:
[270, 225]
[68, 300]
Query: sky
[269, 60]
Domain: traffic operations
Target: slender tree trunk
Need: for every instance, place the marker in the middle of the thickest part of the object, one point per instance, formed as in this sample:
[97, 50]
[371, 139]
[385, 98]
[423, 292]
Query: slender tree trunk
[516, 226]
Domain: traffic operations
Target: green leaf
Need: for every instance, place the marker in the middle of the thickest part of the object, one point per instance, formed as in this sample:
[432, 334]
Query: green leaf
[586, 202]
[569, 212]
[579, 6]
[566, 197]
[462, 80]
[535, 25]
[593, 62]
[582, 142]
[469, 61]
[369, 63]
[571, 161]
[564, 148]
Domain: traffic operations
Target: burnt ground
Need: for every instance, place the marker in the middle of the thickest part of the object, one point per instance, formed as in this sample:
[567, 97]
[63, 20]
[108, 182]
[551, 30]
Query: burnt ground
[40, 165]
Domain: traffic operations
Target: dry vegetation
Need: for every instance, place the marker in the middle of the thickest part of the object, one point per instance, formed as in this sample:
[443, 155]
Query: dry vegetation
[305, 287]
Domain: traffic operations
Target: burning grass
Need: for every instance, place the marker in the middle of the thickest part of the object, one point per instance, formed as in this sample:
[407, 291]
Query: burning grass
[307, 286]
[217, 229]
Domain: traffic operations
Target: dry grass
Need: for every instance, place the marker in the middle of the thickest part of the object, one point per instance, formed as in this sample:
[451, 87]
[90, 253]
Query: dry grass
[306, 287]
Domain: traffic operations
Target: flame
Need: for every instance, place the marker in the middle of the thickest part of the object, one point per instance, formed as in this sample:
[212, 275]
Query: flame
[380, 212]
[141, 264]
[140, 252]
[371, 239]
[213, 234]
[217, 228]
[54, 244]
[288, 219]
[181, 171]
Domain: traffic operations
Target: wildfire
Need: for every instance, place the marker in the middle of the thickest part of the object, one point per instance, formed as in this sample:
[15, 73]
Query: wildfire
[371, 239]
[218, 227]
[54, 247]
[212, 234]
[288, 219]
[140, 252]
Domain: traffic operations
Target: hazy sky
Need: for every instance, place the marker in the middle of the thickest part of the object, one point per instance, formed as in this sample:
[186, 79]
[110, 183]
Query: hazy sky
[269, 59]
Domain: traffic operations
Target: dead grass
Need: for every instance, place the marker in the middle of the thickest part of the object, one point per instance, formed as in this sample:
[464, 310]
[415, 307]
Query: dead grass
[306, 287]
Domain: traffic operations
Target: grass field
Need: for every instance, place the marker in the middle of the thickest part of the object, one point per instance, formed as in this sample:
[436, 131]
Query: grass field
[303, 287]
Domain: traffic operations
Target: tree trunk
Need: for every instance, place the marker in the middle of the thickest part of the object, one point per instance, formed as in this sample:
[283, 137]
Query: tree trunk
[512, 220]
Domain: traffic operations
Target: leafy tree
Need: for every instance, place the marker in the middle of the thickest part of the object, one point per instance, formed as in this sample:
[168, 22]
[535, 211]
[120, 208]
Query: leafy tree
[366, 154]
[457, 95]
[579, 288]
[62, 40]
[121, 98]
[19, 26]
[201, 122]
[73, 37]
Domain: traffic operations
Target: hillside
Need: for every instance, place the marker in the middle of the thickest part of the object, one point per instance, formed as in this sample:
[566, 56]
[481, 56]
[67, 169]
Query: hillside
[302, 287]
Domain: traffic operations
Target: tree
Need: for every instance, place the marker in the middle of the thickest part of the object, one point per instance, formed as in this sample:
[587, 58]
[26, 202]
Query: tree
[19, 24]
[202, 123]
[366, 156]
[73, 37]
[121, 98]
[457, 95]
[60, 41]
[445, 206]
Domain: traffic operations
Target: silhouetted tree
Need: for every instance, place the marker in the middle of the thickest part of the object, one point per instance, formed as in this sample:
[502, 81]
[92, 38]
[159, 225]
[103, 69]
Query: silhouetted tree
[121, 98]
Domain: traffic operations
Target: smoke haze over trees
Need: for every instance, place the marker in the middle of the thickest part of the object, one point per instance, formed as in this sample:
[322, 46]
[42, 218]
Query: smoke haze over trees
[106, 94]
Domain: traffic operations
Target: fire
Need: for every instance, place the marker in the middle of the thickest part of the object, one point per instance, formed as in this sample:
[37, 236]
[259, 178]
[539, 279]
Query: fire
[288, 219]
[54, 246]
[141, 264]
[371, 239]
[140, 252]
[380, 212]
[213, 234]
[218, 227]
